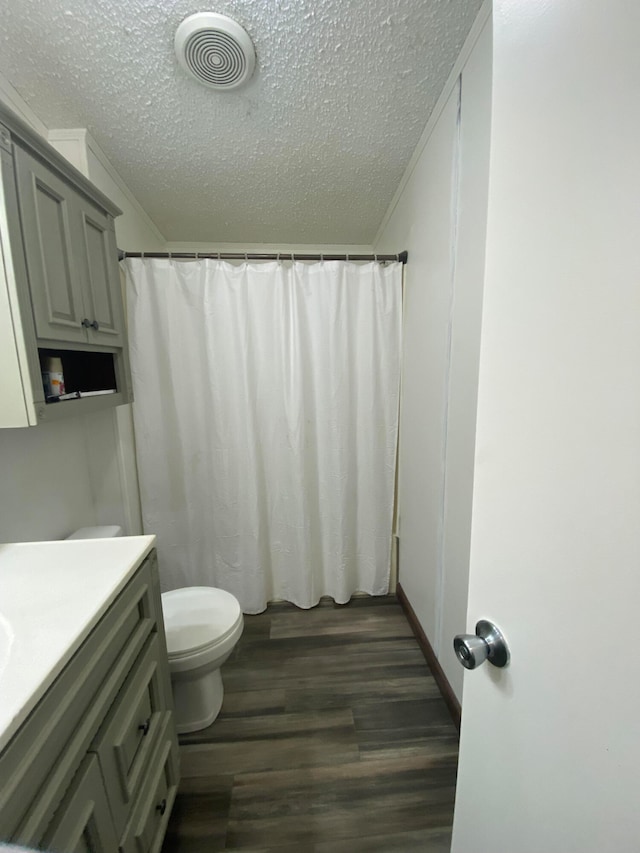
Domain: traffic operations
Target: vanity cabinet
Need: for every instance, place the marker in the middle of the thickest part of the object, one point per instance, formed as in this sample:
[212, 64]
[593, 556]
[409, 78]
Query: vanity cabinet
[95, 765]
[60, 289]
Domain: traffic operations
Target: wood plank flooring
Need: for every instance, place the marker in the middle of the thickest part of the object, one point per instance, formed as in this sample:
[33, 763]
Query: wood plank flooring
[333, 738]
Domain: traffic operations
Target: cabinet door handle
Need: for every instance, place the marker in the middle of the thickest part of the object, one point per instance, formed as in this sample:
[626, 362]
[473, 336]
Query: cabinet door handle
[144, 727]
[86, 323]
[95, 325]
[162, 807]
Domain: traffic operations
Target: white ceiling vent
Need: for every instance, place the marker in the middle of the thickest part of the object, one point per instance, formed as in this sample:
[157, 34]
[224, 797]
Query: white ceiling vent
[215, 50]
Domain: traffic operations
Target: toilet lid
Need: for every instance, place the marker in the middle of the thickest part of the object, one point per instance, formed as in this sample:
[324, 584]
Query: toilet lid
[197, 616]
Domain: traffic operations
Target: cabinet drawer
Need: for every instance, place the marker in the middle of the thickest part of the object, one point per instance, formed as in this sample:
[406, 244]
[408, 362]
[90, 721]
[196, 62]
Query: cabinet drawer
[39, 763]
[130, 733]
[83, 821]
[147, 827]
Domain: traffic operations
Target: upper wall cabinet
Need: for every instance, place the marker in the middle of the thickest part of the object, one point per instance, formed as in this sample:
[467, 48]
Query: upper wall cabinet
[71, 258]
[60, 293]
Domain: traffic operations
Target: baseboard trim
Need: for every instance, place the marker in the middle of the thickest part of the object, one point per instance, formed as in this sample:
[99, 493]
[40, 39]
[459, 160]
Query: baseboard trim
[430, 656]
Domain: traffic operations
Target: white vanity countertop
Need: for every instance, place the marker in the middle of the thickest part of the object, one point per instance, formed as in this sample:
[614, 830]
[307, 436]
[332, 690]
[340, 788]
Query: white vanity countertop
[52, 594]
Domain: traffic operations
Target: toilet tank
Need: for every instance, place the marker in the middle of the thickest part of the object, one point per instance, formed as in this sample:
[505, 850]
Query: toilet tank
[107, 531]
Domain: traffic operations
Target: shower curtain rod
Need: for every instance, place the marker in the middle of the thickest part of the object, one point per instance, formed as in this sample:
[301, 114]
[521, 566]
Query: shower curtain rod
[402, 257]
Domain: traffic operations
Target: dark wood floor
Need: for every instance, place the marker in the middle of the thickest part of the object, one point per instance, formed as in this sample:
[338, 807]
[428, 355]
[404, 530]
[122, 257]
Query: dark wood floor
[332, 737]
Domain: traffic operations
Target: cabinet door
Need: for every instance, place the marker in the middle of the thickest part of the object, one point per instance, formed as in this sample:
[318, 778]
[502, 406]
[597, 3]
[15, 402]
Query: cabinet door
[148, 824]
[83, 822]
[47, 214]
[129, 734]
[100, 276]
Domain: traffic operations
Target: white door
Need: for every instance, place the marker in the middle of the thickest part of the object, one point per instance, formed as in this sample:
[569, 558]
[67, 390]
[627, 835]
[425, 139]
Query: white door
[550, 746]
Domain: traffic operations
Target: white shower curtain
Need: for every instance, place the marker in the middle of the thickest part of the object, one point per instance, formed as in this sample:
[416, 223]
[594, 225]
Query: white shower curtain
[266, 407]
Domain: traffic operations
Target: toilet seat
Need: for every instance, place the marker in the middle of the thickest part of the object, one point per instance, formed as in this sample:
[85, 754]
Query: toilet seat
[198, 621]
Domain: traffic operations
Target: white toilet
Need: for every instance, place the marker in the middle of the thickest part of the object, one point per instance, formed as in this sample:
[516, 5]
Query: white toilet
[203, 625]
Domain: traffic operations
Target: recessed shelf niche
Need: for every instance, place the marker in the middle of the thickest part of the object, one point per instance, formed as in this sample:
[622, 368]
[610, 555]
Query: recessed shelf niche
[83, 371]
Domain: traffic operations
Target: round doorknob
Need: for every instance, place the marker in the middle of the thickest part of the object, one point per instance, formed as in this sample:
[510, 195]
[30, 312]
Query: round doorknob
[486, 644]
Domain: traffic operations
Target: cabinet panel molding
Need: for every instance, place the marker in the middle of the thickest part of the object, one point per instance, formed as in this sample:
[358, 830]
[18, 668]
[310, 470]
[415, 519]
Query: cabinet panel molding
[84, 822]
[100, 266]
[46, 212]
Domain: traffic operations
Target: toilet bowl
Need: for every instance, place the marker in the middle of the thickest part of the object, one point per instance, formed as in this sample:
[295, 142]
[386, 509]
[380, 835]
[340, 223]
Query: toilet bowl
[202, 626]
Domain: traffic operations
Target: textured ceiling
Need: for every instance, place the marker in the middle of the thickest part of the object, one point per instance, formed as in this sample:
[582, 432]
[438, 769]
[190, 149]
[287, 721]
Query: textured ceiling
[310, 151]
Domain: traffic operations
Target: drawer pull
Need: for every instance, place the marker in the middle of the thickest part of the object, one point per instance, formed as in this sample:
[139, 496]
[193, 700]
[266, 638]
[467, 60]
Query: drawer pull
[162, 807]
[144, 727]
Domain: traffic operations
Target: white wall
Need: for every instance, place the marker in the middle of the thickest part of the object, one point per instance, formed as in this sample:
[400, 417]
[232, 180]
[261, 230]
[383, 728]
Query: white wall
[473, 189]
[45, 487]
[134, 228]
[439, 216]
[421, 223]
[333, 248]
